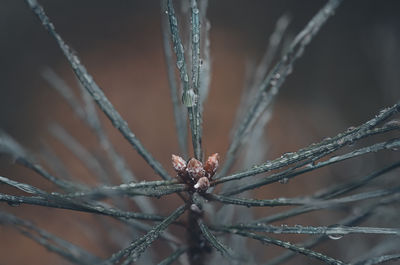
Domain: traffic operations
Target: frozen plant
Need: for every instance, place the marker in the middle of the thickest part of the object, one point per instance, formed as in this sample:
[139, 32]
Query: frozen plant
[201, 184]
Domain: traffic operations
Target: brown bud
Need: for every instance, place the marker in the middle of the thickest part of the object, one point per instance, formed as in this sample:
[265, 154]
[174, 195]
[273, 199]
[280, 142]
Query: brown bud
[211, 165]
[202, 184]
[179, 164]
[195, 169]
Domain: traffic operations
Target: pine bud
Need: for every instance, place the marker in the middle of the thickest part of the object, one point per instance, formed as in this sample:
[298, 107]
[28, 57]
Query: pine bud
[211, 165]
[179, 164]
[202, 184]
[195, 169]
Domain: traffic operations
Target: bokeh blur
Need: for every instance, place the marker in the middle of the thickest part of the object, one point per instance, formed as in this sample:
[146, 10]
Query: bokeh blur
[347, 74]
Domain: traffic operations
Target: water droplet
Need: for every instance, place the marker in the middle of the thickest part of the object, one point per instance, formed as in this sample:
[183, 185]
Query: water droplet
[351, 128]
[75, 59]
[99, 208]
[96, 96]
[335, 237]
[309, 165]
[186, 78]
[341, 141]
[174, 21]
[284, 181]
[181, 49]
[189, 98]
[196, 38]
[14, 203]
[295, 156]
[179, 64]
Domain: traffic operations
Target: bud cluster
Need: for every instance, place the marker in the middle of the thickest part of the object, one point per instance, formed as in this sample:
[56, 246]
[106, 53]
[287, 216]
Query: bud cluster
[194, 173]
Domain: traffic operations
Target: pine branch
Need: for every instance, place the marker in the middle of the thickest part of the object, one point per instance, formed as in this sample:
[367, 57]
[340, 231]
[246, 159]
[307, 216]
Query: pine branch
[88, 115]
[179, 111]
[214, 242]
[287, 245]
[352, 219]
[10, 147]
[190, 96]
[316, 230]
[255, 202]
[269, 88]
[51, 242]
[65, 91]
[195, 35]
[329, 204]
[272, 49]
[329, 194]
[56, 200]
[173, 257]
[205, 62]
[310, 204]
[308, 165]
[137, 247]
[93, 121]
[288, 174]
[255, 148]
[146, 188]
[378, 260]
[53, 161]
[116, 159]
[351, 185]
[326, 146]
[80, 152]
[95, 91]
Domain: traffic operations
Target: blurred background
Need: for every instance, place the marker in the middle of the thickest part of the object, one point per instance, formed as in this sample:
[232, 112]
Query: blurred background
[347, 74]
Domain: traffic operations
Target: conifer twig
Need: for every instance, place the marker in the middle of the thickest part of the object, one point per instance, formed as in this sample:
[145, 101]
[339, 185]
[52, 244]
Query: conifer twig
[288, 174]
[334, 230]
[137, 247]
[196, 38]
[158, 189]
[21, 156]
[95, 91]
[378, 260]
[51, 242]
[310, 204]
[328, 145]
[88, 160]
[173, 257]
[287, 245]
[190, 96]
[352, 219]
[214, 242]
[179, 111]
[329, 194]
[274, 80]
[57, 200]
